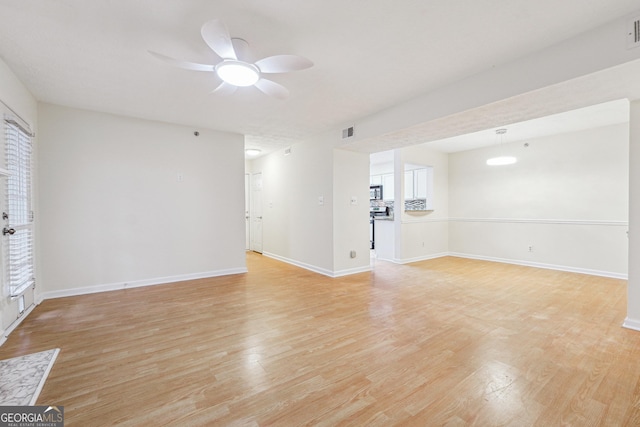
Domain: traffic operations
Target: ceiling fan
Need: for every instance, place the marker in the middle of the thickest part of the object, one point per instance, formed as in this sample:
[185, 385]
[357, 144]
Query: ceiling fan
[233, 70]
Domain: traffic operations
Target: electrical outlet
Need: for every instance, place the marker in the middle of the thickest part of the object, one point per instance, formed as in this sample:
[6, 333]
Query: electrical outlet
[530, 248]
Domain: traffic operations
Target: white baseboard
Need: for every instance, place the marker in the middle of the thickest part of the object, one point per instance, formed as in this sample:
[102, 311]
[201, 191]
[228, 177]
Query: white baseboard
[306, 266]
[138, 283]
[114, 287]
[14, 325]
[610, 274]
[350, 271]
[628, 323]
[323, 271]
[420, 258]
[393, 260]
[631, 324]
[568, 269]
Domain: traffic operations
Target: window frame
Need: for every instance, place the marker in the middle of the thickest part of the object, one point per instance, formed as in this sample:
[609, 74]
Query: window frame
[19, 238]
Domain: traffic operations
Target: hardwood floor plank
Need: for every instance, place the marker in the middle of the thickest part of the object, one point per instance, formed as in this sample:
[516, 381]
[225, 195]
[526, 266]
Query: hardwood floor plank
[447, 341]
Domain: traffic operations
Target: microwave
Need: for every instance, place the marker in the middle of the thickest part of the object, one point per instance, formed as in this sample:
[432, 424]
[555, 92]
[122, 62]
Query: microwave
[375, 192]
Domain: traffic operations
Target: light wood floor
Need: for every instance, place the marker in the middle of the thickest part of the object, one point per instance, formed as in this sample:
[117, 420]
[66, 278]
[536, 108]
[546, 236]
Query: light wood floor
[441, 342]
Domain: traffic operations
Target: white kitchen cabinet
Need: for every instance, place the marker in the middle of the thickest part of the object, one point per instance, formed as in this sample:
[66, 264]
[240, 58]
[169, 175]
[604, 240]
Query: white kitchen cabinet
[409, 185]
[420, 183]
[387, 186]
[418, 188]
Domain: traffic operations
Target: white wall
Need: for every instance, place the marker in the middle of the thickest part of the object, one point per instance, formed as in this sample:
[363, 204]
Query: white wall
[296, 227]
[567, 197]
[127, 202]
[633, 289]
[425, 234]
[350, 220]
[17, 98]
[598, 49]
[417, 235]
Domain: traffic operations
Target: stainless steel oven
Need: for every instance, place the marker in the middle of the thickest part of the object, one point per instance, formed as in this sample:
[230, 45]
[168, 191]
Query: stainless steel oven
[375, 211]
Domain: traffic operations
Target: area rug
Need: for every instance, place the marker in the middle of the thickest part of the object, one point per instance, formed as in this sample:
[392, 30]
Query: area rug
[22, 378]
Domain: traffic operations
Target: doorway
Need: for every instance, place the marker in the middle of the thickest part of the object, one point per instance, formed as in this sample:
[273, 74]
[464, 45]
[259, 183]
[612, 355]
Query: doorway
[247, 216]
[256, 212]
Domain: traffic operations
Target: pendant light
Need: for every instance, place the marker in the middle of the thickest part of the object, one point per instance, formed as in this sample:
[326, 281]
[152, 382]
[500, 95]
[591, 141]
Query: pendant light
[501, 160]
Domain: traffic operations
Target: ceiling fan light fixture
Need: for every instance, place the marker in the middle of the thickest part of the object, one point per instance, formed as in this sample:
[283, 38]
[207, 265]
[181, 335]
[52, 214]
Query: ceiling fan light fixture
[234, 71]
[237, 73]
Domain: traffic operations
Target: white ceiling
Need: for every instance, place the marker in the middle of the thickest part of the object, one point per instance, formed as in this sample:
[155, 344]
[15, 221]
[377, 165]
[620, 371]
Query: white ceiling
[605, 114]
[369, 55]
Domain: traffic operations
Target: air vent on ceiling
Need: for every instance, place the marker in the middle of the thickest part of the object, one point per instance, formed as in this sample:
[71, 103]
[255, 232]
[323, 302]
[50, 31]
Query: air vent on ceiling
[347, 133]
[633, 33]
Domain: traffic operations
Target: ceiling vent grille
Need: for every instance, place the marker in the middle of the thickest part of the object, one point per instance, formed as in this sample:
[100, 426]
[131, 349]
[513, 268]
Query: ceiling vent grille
[633, 33]
[347, 133]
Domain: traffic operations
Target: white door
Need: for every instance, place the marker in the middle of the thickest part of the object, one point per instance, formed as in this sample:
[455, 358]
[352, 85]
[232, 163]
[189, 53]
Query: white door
[256, 212]
[247, 217]
[17, 222]
[7, 314]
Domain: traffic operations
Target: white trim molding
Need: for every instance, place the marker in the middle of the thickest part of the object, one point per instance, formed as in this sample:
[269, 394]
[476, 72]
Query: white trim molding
[14, 325]
[415, 259]
[139, 283]
[423, 258]
[323, 271]
[631, 324]
[304, 265]
[600, 273]
[114, 287]
[609, 274]
[423, 220]
[612, 223]
[350, 271]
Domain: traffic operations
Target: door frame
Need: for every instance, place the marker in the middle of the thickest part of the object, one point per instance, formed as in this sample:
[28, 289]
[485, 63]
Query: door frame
[256, 217]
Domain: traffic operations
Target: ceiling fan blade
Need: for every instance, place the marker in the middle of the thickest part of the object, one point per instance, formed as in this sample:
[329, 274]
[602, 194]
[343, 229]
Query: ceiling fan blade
[272, 88]
[183, 64]
[283, 63]
[241, 48]
[216, 35]
[225, 88]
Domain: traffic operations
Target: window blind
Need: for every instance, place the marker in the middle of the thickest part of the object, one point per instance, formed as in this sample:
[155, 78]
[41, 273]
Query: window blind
[19, 248]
